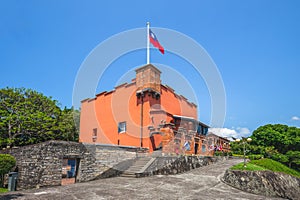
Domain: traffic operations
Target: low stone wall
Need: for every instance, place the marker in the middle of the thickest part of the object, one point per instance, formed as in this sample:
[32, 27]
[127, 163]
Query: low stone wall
[264, 182]
[110, 156]
[165, 165]
[40, 164]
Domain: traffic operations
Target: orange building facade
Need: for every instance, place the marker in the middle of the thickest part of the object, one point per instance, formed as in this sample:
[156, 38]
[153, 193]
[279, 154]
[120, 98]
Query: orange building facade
[142, 114]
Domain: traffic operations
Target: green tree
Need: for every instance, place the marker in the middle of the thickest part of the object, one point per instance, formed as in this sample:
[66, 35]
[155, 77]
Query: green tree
[68, 124]
[29, 117]
[293, 159]
[279, 142]
[7, 162]
[26, 116]
[236, 148]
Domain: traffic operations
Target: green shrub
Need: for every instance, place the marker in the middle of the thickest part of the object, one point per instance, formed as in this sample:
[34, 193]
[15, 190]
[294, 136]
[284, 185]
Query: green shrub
[3, 190]
[280, 158]
[218, 153]
[7, 162]
[239, 155]
[255, 157]
[221, 153]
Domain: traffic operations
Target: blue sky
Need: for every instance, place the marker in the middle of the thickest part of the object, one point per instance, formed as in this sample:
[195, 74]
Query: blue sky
[255, 45]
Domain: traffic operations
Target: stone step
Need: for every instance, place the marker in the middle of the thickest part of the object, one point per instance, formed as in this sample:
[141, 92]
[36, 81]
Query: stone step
[156, 153]
[148, 164]
[128, 175]
[134, 169]
[142, 160]
[128, 172]
[140, 163]
[138, 167]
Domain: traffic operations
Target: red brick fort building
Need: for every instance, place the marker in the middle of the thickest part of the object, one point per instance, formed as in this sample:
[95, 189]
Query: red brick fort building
[147, 114]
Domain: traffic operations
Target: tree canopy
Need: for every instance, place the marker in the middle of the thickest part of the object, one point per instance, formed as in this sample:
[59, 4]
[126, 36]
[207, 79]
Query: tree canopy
[28, 117]
[281, 142]
[276, 141]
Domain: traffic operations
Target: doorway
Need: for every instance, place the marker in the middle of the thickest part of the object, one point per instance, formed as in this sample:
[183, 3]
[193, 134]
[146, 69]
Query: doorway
[196, 148]
[69, 170]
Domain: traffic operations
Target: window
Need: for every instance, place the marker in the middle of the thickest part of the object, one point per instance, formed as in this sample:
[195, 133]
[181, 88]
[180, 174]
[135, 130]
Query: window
[203, 148]
[205, 131]
[202, 130]
[94, 135]
[122, 127]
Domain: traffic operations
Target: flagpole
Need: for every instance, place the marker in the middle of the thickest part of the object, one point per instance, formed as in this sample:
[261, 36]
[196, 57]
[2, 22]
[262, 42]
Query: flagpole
[148, 43]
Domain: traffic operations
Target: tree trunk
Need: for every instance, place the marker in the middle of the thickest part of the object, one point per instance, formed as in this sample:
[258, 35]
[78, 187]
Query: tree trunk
[9, 133]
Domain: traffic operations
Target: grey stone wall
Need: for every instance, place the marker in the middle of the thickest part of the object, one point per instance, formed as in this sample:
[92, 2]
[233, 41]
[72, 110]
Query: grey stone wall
[41, 164]
[111, 155]
[178, 164]
[267, 183]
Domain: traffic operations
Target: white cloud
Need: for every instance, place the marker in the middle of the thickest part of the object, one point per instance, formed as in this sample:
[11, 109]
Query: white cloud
[295, 118]
[243, 131]
[229, 133]
[223, 132]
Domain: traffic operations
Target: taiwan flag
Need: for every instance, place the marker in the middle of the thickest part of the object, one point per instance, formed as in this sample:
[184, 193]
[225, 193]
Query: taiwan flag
[154, 41]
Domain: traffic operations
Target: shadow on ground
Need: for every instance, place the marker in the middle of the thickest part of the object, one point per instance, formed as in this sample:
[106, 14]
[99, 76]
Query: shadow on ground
[11, 196]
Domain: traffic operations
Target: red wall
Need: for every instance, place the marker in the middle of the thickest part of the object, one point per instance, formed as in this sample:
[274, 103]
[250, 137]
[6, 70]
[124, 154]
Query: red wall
[108, 109]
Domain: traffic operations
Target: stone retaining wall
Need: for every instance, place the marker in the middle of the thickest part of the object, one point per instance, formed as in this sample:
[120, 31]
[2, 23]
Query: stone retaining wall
[265, 183]
[40, 164]
[178, 164]
[109, 156]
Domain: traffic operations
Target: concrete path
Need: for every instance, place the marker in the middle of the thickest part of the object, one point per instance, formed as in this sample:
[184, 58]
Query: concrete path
[201, 183]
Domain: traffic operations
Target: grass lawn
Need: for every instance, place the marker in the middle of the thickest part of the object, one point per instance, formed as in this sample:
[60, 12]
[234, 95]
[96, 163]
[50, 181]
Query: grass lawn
[2, 190]
[275, 166]
[266, 164]
[250, 167]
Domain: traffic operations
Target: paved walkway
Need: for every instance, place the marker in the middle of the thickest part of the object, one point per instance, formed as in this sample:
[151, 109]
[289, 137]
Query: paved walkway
[201, 183]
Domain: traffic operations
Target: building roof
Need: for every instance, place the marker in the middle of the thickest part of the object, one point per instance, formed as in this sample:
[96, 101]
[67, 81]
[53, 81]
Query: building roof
[148, 66]
[214, 135]
[190, 119]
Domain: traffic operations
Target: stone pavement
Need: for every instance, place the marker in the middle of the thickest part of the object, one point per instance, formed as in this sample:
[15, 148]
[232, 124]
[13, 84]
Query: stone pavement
[201, 183]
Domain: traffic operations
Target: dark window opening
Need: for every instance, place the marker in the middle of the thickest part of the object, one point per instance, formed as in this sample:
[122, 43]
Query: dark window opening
[94, 137]
[122, 127]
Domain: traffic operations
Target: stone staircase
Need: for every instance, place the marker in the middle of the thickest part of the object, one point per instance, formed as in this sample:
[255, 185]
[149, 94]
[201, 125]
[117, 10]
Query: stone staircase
[139, 166]
[156, 153]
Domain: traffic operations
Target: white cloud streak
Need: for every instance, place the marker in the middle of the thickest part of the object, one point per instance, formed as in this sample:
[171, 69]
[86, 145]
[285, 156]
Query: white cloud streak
[295, 118]
[229, 133]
